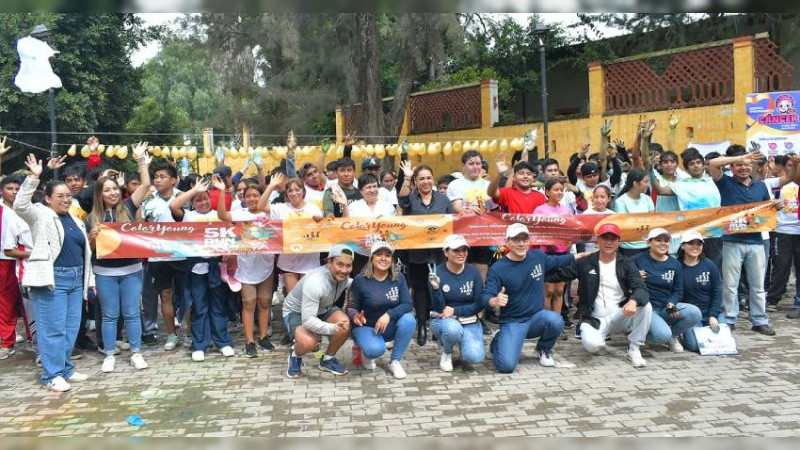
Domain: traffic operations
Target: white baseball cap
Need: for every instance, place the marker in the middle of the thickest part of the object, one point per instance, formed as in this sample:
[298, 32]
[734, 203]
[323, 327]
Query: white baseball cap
[454, 241]
[692, 235]
[515, 229]
[377, 245]
[656, 232]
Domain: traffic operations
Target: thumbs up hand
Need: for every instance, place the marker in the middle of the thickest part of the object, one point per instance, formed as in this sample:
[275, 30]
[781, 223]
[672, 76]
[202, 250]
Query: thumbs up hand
[501, 300]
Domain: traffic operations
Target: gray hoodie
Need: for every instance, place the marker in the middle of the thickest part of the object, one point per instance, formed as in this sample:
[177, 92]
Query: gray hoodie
[313, 296]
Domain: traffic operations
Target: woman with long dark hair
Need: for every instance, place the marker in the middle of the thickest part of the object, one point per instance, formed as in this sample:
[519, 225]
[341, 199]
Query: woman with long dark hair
[633, 198]
[702, 285]
[119, 281]
[423, 200]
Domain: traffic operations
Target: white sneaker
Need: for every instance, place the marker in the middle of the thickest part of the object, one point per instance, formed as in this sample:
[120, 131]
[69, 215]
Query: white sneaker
[77, 376]
[227, 351]
[546, 359]
[675, 345]
[446, 362]
[20, 339]
[124, 345]
[198, 355]
[108, 364]
[172, 342]
[58, 384]
[138, 362]
[177, 323]
[369, 364]
[397, 369]
[635, 356]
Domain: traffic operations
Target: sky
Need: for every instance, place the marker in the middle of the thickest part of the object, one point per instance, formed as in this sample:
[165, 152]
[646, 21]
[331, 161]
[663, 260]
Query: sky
[140, 56]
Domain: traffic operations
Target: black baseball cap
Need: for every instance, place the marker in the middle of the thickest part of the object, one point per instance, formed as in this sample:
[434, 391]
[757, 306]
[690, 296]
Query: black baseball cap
[589, 168]
[370, 161]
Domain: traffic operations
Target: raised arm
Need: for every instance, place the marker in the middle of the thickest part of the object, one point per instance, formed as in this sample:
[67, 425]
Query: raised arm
[493, 189]
[143, 162]
[647, 135]
[605, 132]
[636, 150]
[715, 165]
[408, 174]
[673, 126]
[22, 204]
[274, 182]
[176, 205]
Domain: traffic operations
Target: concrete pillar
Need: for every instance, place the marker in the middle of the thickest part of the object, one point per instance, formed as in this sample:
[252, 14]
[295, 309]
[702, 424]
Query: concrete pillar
[597, 104]
[744, 82]
[339, 125]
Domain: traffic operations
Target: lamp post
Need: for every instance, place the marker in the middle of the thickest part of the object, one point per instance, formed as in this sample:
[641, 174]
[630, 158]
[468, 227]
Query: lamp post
[43, 33]
[539, 32]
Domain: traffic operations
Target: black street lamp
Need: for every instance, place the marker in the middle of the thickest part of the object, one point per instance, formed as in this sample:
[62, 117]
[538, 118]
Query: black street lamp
[43, 33]
[539, 32]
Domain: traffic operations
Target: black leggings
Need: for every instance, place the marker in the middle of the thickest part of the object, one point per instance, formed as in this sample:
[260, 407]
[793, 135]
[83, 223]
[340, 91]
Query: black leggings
[418, 280]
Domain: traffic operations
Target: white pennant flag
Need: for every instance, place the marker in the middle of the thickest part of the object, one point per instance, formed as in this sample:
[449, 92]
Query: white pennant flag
[35, 74]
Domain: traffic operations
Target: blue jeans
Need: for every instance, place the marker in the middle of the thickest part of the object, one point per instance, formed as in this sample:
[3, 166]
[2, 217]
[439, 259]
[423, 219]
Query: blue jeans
[689, 340]
[752, 257]
[663, 327]
[450, 332]
[507, 343]
[373, 345]
[120, 294]
[209, 312]
[58, 317]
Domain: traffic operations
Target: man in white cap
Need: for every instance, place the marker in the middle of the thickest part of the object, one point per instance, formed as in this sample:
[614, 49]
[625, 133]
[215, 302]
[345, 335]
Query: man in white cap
[612, 297]
[515, 285]
[309, 312]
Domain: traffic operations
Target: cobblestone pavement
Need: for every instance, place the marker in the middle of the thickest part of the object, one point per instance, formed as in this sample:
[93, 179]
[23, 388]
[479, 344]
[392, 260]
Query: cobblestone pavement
[676, 395]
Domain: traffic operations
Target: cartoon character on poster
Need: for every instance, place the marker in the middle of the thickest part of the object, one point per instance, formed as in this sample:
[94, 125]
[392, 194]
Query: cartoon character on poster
[773, 124]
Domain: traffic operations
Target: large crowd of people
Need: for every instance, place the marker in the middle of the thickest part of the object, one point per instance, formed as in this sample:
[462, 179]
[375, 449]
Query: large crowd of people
[656, 290]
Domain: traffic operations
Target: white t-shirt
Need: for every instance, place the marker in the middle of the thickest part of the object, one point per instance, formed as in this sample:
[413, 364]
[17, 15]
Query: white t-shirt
[314, 197]
[787, 217]
[252, 269]
[301, 263]
[236, 205]
[156, 209]
[610, 293]
[15, 232]
[200, 268]
[472, 194]
[388, 196]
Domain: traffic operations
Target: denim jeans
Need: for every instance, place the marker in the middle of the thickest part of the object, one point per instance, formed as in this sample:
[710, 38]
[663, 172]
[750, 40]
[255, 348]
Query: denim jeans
[507, 343]
[663, 327]
[209, 312]
[120, 294]
[450, 332]
[373, 345]
[58, 316]
[689, 340]
[752, 258]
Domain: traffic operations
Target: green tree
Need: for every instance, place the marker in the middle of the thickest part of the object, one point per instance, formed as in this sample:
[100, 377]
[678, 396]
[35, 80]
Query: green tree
[100, 86]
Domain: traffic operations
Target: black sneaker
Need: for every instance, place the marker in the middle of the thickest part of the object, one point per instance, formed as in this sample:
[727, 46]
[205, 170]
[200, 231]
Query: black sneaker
[764, 329]
[86, 344]
[149, 339]
[568, 324]
[285, 340]
[266, 345]
[250, 350]
[76, 354]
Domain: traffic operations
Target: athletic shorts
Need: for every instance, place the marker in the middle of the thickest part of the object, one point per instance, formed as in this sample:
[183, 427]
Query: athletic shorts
[480, 255]
[294, 320]
[164, 273]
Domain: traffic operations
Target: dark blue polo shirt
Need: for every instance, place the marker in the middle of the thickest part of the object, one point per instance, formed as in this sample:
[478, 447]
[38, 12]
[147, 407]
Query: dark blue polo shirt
[733, 192]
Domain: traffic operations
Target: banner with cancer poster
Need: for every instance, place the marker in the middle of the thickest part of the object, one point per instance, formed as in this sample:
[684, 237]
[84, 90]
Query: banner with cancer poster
[773, 122]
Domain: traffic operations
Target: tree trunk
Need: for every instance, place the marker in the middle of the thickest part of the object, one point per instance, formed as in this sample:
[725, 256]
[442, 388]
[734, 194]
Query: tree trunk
[370, 93]
[404, 85]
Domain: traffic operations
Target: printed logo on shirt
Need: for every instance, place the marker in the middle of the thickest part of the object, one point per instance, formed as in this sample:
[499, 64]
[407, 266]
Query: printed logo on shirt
[704, 278]
[393, 294]
[537, 272]
[592, 272]
[466, 289]
[446, 288]
[668, 276]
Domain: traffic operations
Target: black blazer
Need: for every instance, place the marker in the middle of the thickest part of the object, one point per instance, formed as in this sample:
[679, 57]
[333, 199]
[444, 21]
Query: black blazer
[587, 271]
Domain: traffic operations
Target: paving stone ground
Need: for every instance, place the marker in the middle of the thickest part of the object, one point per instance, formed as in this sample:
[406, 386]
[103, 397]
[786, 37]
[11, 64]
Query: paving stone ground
[753, 394]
